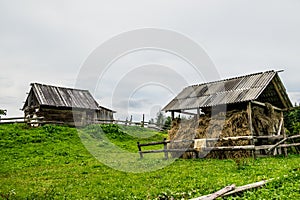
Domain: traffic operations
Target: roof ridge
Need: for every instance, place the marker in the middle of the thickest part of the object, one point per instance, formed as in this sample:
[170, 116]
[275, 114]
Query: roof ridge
[69, 88]
[227, 79]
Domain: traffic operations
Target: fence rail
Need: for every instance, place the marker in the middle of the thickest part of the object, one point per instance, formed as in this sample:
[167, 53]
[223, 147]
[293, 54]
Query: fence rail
[12, 120]
[267, 148]
[41, 121]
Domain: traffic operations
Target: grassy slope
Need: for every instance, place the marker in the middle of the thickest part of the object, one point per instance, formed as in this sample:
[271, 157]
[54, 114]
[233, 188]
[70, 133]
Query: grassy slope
[51, 162]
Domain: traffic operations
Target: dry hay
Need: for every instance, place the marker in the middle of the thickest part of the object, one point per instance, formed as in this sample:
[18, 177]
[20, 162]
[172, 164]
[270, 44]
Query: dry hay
[265, 121]
[230, 124]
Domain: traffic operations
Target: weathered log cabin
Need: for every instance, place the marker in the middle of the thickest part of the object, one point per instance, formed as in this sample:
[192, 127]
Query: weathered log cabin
[250, 105]
[59, 105]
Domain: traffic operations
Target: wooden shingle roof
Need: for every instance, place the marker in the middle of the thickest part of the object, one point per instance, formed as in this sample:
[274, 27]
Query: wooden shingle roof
[62, 97]
[264, 86]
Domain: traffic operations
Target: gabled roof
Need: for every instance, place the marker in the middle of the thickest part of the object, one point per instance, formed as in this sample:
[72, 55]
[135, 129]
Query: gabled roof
[62, 97]
[264, 86]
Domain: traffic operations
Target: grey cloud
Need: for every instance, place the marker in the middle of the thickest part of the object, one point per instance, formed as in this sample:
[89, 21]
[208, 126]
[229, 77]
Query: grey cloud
[48, 42]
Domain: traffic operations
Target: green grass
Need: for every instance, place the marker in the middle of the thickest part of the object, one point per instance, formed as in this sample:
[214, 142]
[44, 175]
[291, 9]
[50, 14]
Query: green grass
[51, 162]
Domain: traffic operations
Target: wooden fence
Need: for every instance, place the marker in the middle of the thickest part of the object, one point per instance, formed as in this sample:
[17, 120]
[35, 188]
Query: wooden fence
[154, 126]
[40, 121]
[11, 120]
[267, 148]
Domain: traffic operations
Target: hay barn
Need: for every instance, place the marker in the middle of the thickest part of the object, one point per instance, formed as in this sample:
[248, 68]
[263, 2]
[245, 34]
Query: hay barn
[250, 105]
[59, 105]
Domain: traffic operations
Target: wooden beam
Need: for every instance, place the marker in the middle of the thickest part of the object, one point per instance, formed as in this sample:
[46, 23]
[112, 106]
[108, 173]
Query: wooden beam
[187, 113]
[236, 138]
[280, 125]
[198, 113]
[208, 139]
[282, 141]
[172, 115]
[284, 134]
[12, 122]
[289, 145]
[269, 137]
[11, 118]
[140, 150]
[249, 111]
[230, 190]
[263, 104]
[226, 148]
[152, 144]
[247, 187]
[166, 149]
[279, 94]
[216, 194]
[293, 108]
[230, 148]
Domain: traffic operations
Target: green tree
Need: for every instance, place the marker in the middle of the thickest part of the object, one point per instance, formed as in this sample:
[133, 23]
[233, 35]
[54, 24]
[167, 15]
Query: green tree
[151, 121]
[160, 118]
[168, 122]
[292, 121]
[3, 112]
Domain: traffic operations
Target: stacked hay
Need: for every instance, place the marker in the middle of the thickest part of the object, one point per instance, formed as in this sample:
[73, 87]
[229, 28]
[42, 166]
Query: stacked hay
[182, 130]
[230, 124]
[234, 123]
[265, 120]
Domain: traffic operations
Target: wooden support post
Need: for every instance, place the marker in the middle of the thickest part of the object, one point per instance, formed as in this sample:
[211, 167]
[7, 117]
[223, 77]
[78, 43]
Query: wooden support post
[140, 150]
[198, 113]
[284, 135]
[278, 133]
[166, 149]
[172, 115]
[249, 111]
[280, 126]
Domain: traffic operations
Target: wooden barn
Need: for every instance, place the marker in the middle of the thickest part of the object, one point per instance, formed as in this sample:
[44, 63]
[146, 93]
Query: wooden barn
[59, 105]
[243, 107]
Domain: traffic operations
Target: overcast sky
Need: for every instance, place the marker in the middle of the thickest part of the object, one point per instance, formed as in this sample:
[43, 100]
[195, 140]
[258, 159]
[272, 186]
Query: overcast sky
[48, 42]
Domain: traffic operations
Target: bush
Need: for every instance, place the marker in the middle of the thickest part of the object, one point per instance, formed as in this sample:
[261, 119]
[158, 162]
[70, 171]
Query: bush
[292, 121]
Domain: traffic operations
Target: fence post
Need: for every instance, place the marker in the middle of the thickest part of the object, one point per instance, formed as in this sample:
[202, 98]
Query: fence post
[142, 125]
[166, 149]
[140, 150]
[130, 122]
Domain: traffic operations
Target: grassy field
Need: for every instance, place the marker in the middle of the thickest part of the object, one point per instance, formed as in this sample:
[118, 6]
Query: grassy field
[51, 162]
